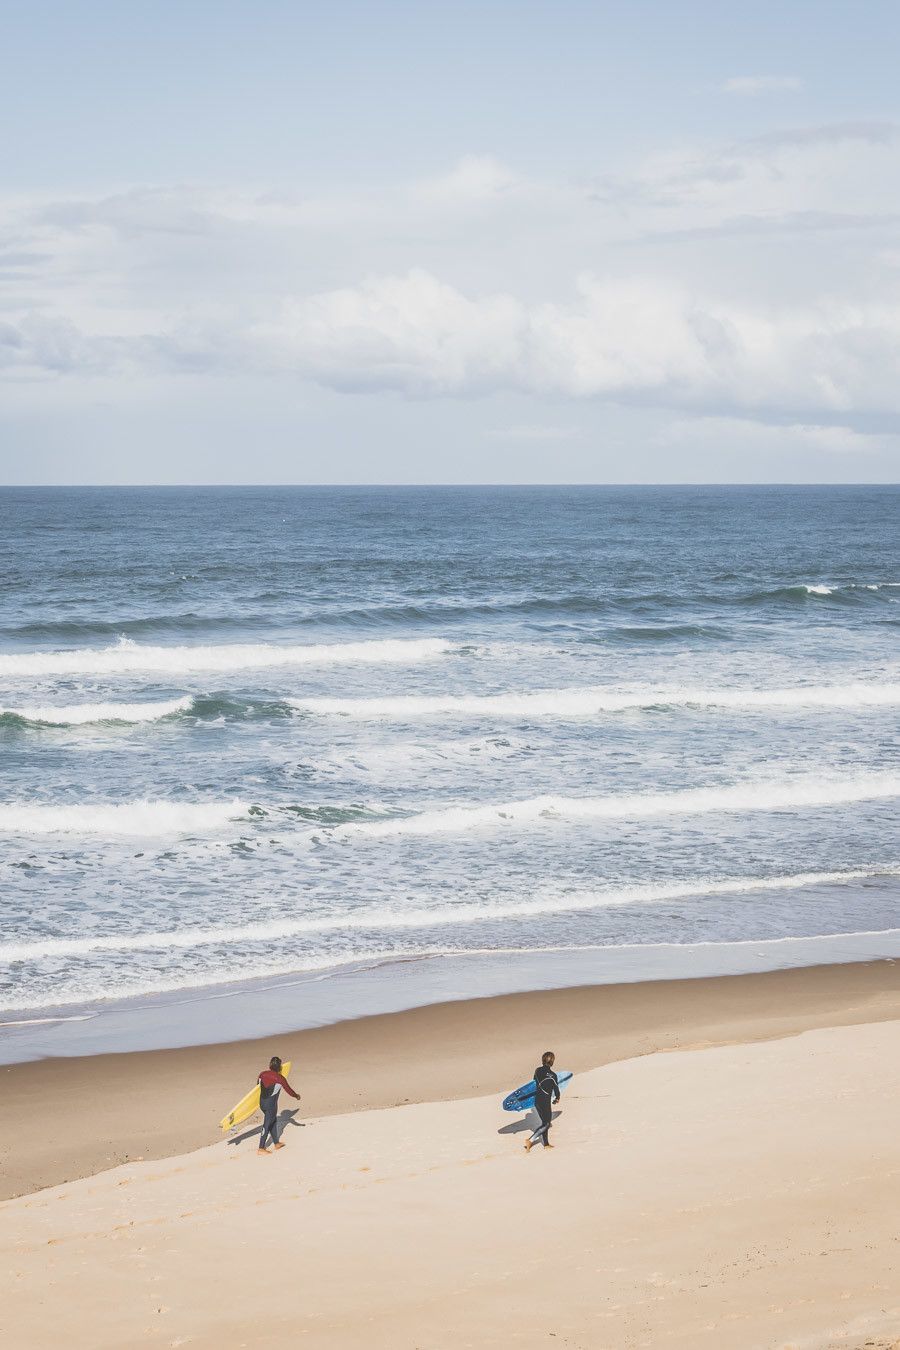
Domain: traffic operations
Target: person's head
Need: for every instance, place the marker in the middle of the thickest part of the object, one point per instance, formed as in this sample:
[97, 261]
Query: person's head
[548, 1059]
[275, 1063]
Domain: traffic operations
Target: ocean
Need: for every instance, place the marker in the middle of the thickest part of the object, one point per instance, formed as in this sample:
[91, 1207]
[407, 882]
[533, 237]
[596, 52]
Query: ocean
[249, 731]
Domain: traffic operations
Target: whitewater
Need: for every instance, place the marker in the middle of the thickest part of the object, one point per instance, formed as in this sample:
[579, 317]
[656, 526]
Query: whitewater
[580, 703]
[255, 731]
[127, 657]
[772, 795]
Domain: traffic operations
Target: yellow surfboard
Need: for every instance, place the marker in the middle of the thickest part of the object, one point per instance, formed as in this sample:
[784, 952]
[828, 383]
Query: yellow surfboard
[247, 1105]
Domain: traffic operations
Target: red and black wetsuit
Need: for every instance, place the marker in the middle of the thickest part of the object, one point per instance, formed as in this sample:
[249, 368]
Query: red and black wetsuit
[270, 1084]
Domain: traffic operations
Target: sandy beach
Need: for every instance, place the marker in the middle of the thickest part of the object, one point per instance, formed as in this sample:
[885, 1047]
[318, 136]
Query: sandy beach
[110, 1109]
[743, 1192]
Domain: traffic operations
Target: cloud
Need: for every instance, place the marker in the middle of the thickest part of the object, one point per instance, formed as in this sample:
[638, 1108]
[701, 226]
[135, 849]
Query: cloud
[412, 333]
[785, 224]
[730, 434]
[818, 168]
[831, 133]
[751, 85]
[39, 346]
[616, 338]
[626, 339]
[480, 280]
[475, 180]
[137, 212]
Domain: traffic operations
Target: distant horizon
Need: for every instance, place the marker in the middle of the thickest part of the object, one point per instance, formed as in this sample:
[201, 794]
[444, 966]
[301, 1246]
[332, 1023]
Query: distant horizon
[332, 487]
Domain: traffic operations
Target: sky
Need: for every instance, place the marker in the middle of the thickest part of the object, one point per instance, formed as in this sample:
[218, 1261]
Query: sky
[388, 241]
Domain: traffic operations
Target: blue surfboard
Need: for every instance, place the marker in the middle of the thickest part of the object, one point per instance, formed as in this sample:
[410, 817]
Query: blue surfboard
[523, 1098]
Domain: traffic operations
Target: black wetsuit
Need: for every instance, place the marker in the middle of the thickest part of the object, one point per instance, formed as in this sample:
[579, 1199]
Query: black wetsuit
[546, 1093]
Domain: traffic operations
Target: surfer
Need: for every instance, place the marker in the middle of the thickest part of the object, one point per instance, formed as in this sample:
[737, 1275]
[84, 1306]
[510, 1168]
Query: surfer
[271, 1081]
[545, 1094]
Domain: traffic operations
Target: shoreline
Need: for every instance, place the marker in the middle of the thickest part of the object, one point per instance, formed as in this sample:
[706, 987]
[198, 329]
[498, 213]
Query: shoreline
[292, 1000]
[110, 1109]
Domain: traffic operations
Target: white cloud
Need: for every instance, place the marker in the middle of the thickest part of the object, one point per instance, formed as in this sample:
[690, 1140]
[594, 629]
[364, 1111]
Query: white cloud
[762, 84]
[729, 279]
[792, 172]
[794, 177]
[616, 338]
[626, 339]
[474, 181]
[731, 434]
[412, 333]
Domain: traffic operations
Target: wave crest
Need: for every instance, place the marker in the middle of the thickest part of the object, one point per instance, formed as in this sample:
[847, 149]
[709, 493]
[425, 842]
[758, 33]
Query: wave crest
[380, 919]
[82, 714]
[120, 818]
[780, 795]
[128, 657]
[591, 702]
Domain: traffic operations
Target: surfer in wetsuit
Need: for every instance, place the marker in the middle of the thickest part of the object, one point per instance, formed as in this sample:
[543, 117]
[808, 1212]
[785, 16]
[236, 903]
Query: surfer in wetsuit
[546, 1093]
[271, 1081]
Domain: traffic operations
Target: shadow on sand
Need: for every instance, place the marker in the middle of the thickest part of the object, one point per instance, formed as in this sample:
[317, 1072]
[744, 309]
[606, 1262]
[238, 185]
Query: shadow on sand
[528, 1122]
[284, 1118]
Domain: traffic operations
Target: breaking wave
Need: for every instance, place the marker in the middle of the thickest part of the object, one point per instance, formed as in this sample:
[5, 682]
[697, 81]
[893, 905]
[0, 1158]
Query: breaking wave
[381, 919]
[81, 714]
[591, 702]
[128, 657]
[120, 818]
[847, 592]
[547, 703]
[778, 795]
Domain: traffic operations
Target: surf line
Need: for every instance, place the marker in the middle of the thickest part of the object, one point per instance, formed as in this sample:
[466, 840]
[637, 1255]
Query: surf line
[380, 919]
[779, 795]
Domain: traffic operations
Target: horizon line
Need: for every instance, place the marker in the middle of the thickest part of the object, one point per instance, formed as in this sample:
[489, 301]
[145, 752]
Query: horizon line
[31, 487]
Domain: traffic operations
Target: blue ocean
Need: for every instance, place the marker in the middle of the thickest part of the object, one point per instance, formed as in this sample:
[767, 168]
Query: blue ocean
[256, 730]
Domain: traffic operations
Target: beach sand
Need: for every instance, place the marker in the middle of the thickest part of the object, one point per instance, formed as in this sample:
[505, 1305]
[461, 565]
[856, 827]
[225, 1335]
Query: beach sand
[742, 1193]
[96, 1112]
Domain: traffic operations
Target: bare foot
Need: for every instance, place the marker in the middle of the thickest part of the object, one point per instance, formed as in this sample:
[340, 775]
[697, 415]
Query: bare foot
[262, 1153]
[549, 1146]
[279, 1145]
[529, 1145]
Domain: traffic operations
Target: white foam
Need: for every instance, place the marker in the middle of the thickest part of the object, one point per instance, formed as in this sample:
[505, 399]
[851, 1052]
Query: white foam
[80, 714]
[119, 818]
[776, 795]
[128, 657]
[197, 986]
[115, 986]
[544, 903]
[580, 703]
[818, 590]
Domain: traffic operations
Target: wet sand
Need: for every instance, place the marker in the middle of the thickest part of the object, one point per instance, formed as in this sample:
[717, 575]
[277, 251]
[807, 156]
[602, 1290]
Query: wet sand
[63, 1119]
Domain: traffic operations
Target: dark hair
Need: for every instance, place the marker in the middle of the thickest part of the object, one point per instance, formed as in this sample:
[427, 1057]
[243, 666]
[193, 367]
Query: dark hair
[548, 1054]
[275, 1063]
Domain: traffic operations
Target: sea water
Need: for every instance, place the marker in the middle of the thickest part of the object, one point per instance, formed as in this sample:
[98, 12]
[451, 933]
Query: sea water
[246, 731]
